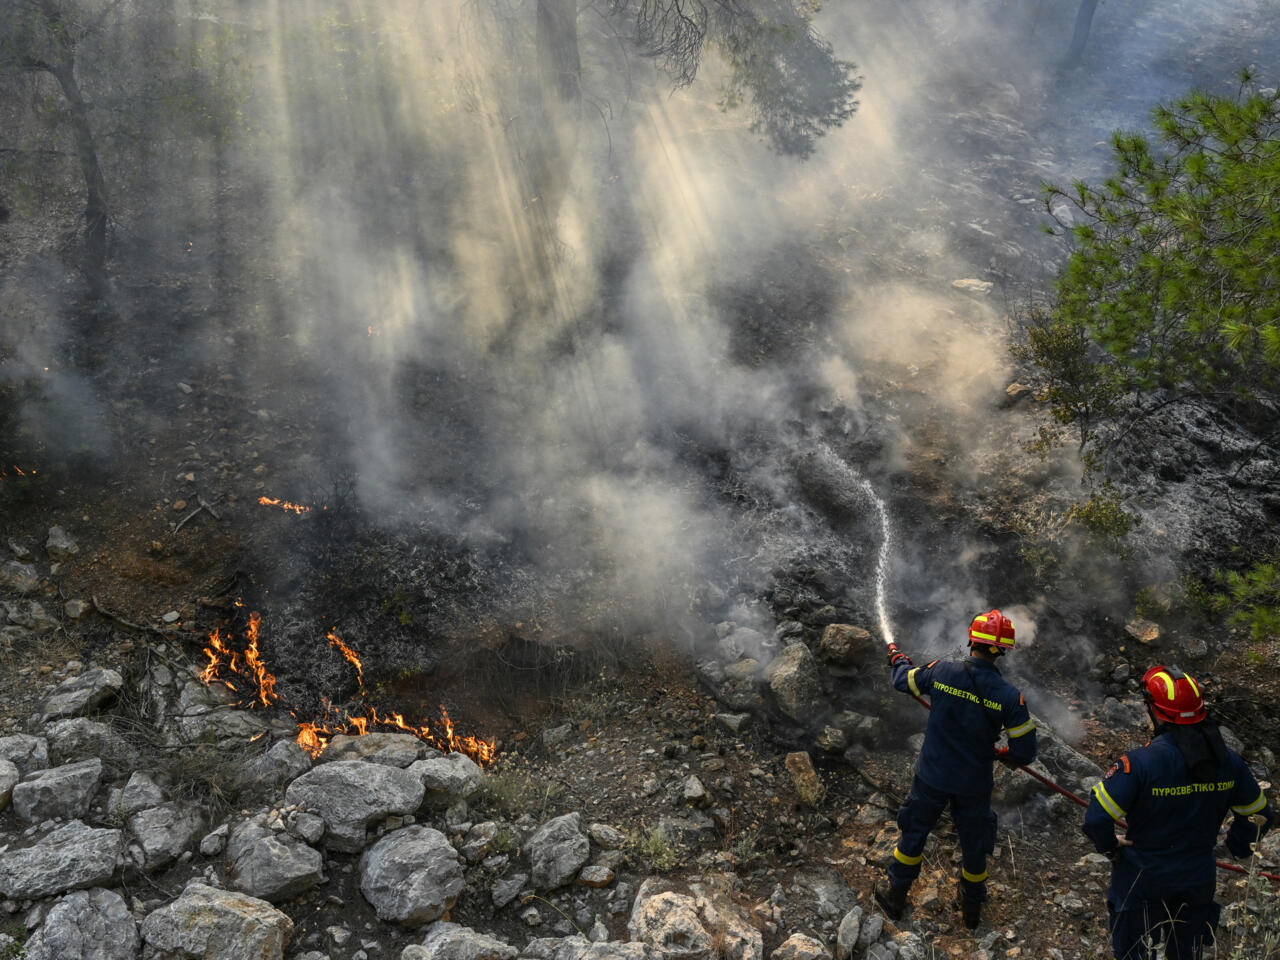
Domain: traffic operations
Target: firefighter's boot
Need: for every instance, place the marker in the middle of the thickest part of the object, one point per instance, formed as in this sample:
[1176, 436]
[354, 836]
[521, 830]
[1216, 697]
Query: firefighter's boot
[892, 900]
[970, 910]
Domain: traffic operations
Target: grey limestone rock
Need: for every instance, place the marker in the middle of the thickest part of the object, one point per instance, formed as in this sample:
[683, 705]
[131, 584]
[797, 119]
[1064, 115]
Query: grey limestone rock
[270, 771]
[71, 857]
[411, 876]
[84, 693]
[557, 850]
[59, 545]
[449, 941]
[580, 948]
[87, 925]
[63, 792]
[843, 644]
[165, 832]
[392, 749]
[79, 738]
[449, 778]
[269, 865]
[206, 923]
[606, 837]
[139, 793]
[669, 922]
[9, 777]
[800, 946]
[793, 678]
[22, 578]
[847, 933]
[350, 794]
[504, 891]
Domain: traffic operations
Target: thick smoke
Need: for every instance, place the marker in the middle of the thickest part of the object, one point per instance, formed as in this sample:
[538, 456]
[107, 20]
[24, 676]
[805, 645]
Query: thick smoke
[539, 329]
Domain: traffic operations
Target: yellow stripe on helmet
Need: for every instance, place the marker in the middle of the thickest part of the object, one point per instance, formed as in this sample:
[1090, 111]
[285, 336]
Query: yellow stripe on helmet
[1192, 681]
[1167, 681]
[983, 636]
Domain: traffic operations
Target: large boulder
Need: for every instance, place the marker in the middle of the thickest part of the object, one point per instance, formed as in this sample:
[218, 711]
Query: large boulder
[411, 876]
[692, 925]
[392, 749]
[63, 793]
[164, 833]
[69, 858]
[83, 693]
[206, 714]
[210, 924]
[557, 851]
[449, 778]
[269, 865]
[845, 645]
[86, 925]
[669, 922]
[793, 678]
[350, 794]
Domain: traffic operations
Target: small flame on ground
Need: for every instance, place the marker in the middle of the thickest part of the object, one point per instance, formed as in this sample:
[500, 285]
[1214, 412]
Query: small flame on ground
[352, 658]
[4, 474]
[284, 505]
[314, 736]
[225, 662]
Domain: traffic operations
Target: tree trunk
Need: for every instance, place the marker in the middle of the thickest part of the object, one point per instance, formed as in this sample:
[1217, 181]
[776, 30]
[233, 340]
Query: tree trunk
[1084, 19]
[560, 77]
[559, 62]
[93, 261]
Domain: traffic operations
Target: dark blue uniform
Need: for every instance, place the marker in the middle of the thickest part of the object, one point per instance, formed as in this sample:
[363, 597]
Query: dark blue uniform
[1163, 885]
[971, 704]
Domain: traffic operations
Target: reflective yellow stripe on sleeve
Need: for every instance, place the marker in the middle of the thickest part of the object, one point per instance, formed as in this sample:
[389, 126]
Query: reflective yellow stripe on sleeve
[1251, 808]
[973, 877]
[903, 858]
[911, 681]
[1020, 729]
[1109, 805]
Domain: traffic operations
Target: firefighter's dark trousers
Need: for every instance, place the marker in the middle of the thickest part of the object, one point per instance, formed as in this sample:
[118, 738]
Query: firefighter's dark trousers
[975, 823]
[1183, 921]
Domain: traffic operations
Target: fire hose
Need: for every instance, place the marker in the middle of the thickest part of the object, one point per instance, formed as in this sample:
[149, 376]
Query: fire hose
[1234, 868]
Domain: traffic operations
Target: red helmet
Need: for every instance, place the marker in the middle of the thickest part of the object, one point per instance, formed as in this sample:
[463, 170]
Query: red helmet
[1173, 695]
[992, 629]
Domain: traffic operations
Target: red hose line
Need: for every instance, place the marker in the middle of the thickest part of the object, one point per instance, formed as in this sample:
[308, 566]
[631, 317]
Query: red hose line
[1234, 868]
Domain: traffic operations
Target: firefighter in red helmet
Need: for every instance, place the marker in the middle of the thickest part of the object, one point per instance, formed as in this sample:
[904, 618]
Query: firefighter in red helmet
[1174, 794]
[971, 704]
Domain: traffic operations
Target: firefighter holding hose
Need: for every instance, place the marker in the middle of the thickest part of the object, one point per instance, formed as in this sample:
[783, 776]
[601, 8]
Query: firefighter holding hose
[971, 704]
[1174, 793]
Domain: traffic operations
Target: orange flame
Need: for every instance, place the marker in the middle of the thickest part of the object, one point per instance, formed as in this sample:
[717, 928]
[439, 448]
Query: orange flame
[346, 651]
[284, 505]
[314, 735]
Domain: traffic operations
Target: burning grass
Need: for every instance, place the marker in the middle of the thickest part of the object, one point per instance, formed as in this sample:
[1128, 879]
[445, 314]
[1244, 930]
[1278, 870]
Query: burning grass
[240, 668]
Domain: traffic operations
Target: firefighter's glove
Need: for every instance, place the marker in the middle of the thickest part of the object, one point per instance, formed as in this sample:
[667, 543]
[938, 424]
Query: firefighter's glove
[1002, 754]
[896, 656]
[1114, 853]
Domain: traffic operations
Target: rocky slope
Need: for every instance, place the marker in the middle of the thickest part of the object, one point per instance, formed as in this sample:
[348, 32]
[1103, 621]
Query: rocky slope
[640, 818]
